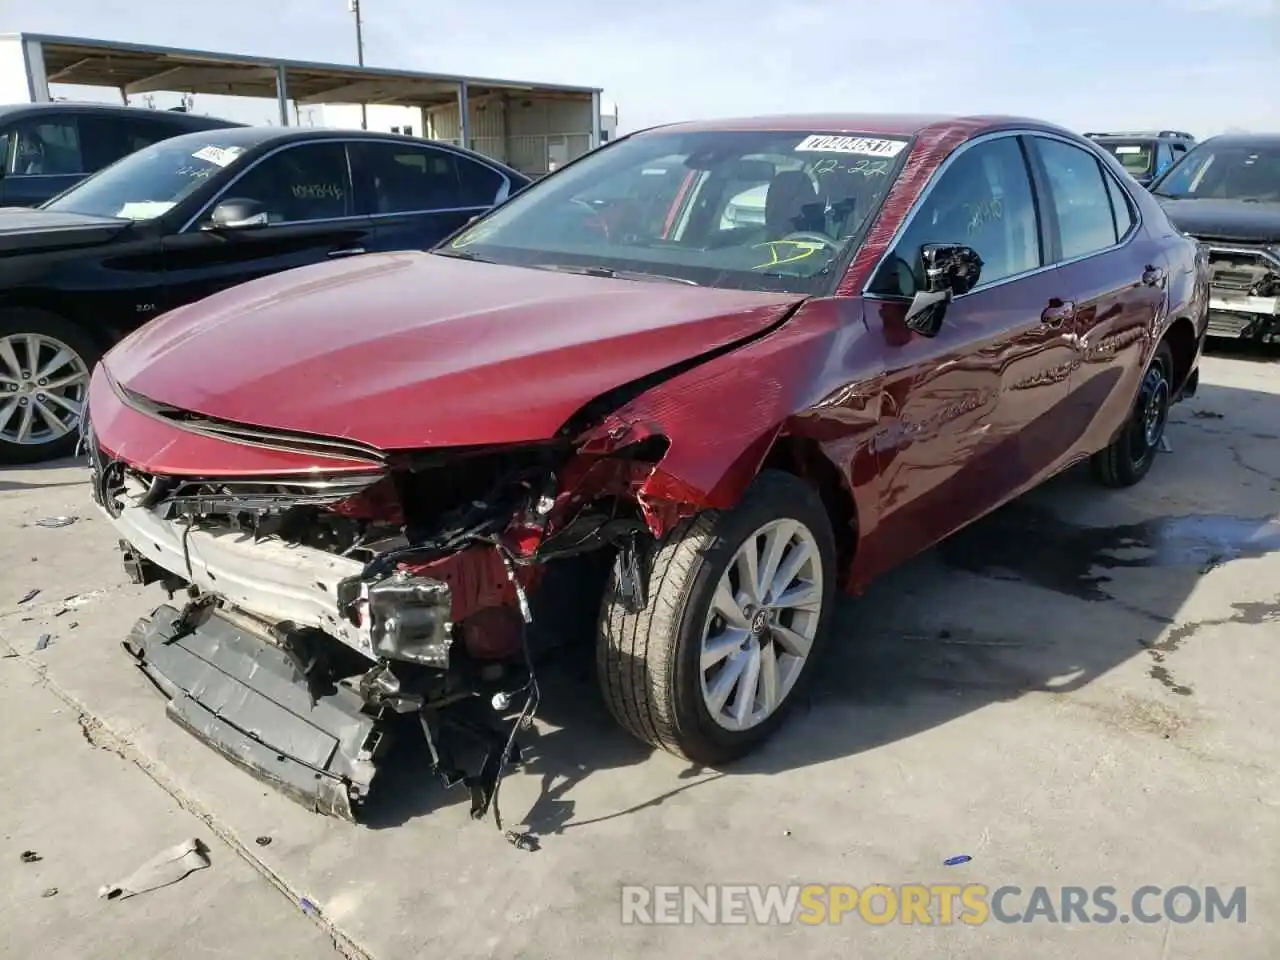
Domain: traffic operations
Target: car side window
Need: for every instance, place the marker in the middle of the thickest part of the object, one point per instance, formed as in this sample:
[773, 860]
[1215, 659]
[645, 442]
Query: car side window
[1121, 205]
[1080, 198]
[46, 148]
[407, 178]
[982, 200]
[105, 139]
[299, 183]
[1164, 157]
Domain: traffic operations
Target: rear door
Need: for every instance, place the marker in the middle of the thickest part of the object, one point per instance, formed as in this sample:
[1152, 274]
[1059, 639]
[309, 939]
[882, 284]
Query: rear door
[1112, 272]
[970, 409]
[418, 194]
[306, 190]
[43, 158]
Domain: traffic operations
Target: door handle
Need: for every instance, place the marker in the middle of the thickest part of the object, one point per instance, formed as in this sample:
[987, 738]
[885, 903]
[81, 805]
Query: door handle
[346, 251]
[1152, 276]
[1058, 312]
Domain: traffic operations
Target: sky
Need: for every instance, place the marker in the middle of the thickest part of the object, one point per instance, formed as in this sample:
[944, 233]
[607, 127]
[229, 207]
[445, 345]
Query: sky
[1199, 65]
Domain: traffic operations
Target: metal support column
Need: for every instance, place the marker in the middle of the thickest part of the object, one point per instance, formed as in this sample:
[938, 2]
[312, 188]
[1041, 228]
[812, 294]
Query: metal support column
[282, 94]
[464, 115]
[595, 119]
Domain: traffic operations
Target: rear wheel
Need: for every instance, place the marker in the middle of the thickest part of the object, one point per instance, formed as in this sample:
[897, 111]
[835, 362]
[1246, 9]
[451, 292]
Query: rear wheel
[738, 607]
[1129, 458]
[45, 362]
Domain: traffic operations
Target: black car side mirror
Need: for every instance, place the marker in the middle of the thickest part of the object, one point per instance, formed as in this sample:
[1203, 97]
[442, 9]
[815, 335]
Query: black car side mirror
[950, 270]
[237, 214]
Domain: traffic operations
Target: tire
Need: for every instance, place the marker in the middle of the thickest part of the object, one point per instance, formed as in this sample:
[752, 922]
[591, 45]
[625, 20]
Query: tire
[649, 663]
[1130, 456]
[56, 335]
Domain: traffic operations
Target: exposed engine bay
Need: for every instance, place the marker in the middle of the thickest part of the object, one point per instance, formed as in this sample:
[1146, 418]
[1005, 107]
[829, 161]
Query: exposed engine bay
[312, 608]
[1244, 292]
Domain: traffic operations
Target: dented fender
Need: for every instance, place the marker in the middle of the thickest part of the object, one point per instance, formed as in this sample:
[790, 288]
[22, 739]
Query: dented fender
[721, 419]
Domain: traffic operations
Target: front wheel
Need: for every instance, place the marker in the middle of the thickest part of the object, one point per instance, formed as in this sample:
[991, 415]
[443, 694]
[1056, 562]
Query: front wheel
[45, 362]
[738, 607]
[1128, 459]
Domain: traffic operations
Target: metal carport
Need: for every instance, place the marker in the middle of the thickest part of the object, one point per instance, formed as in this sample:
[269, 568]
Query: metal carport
[450, 105]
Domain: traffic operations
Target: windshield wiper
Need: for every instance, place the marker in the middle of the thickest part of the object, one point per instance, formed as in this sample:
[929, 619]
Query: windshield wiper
[612, 274]
[463, 255]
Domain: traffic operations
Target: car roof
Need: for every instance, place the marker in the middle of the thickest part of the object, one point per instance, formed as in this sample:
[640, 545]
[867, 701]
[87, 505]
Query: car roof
[883, 124]
[111, 109]
[250, 138]
[1245, 140]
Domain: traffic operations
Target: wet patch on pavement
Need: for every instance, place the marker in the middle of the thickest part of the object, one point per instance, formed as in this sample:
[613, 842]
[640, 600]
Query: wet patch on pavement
[1029, 544]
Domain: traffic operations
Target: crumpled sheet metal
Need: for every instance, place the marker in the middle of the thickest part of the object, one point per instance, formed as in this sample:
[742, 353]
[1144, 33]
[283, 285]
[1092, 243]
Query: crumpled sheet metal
[162, 870]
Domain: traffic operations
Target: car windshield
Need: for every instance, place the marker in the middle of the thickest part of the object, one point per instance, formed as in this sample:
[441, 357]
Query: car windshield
[1135, 156]
[1228, 172]
[756, 210]
[149, 183]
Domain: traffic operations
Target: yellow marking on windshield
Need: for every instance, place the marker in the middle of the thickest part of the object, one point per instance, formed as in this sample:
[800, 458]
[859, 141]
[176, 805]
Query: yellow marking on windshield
[807, 249]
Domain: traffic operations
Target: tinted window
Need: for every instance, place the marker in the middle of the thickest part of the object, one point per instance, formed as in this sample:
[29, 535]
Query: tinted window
[1080, 198]
[403, 178]
[306, 182]
[745, 209]
[1121, 205]
[981, 200]
[46, 148]
[1232, 171]
[106, 139]
[1164, 157]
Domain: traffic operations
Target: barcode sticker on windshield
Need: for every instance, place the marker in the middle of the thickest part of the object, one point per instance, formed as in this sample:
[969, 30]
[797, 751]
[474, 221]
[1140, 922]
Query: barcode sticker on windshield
[862, 146]
[219, 155]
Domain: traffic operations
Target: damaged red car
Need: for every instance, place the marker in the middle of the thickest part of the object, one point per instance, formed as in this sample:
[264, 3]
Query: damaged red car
[686, 390]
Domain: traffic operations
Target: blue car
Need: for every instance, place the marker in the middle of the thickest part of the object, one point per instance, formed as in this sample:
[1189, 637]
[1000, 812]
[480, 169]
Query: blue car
[1145, 155]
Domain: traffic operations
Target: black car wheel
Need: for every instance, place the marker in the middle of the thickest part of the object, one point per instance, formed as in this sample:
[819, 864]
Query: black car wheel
[45, 363]
[1128, 459]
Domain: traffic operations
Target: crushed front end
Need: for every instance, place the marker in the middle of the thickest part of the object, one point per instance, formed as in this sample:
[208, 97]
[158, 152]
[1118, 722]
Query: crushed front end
[323, 588]
[1244, 290]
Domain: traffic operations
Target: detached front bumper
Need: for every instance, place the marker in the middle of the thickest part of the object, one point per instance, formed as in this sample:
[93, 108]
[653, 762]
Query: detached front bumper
[269, 578]
[244, 696]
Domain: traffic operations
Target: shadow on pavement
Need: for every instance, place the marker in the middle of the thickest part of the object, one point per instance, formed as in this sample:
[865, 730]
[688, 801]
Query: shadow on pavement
[905, 657]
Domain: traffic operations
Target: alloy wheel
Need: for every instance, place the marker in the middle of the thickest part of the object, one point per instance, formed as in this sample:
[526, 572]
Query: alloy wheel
[763, 620]
[43, 387]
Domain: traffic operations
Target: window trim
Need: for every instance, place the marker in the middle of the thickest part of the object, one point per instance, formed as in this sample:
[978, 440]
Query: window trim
[1036, 187]
[503, 192]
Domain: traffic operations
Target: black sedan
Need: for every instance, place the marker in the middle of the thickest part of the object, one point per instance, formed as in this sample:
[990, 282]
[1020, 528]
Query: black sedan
[190, 216]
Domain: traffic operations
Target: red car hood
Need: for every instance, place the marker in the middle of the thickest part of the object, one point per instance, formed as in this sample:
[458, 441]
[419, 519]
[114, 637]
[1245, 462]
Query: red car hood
[406, 350]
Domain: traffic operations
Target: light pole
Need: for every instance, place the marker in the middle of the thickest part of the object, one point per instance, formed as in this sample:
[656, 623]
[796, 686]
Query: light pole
[354, 7]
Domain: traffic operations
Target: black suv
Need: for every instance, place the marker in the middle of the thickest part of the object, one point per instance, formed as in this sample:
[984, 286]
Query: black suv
[47, 147]
[1226, 194]
[1145, 155]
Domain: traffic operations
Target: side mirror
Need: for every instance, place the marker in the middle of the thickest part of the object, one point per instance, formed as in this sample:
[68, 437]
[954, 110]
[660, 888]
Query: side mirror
[950, 270]
[236, 214]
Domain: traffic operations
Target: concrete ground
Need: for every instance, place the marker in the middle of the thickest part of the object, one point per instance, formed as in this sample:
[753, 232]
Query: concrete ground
[1080, 690]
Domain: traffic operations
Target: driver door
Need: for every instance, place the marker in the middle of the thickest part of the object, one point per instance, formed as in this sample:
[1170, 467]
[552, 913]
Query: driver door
[306, 190]
[974, 411]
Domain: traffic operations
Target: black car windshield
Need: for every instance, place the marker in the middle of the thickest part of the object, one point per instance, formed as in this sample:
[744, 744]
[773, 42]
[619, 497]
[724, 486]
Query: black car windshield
[1228, 172]
[1136, 156]
[149, 183]
[756, 210]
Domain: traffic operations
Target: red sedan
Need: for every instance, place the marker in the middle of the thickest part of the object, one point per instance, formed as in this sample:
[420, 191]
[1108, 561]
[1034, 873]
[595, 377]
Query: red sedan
[690, 386]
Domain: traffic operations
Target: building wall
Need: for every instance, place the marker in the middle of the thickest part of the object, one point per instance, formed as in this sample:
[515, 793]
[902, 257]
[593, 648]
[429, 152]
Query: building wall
[534, 135]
